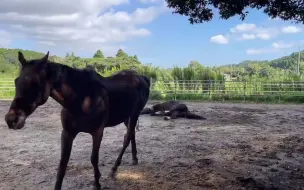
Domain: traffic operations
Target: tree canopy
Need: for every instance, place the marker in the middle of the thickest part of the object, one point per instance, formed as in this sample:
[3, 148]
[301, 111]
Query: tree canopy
[200, 11]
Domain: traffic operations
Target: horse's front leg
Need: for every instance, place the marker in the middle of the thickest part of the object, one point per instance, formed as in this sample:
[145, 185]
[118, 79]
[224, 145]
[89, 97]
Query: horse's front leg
[66, 148]
[97, 138]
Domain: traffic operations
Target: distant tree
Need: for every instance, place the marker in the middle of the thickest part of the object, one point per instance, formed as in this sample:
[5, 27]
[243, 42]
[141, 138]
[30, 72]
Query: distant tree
[264, 73]
[121, 54]
[200, 11]
[98, 54]
[195, 65]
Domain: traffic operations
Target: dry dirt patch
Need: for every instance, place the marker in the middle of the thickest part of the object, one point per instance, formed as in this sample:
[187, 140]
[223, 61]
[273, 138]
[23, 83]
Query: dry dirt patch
[239, 146]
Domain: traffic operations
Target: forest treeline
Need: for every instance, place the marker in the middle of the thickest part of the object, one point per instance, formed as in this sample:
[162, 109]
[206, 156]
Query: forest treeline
[282, 69]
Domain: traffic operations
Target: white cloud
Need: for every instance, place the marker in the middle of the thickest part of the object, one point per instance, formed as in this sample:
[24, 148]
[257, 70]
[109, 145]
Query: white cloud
[282, 45]
[150, 1]
[274, 48]
[48, 43]
[248, 31]
[265, 33]
[244, 27]
[77, 24]
[264, 36]
[219, 39]
[291, 29]
[253, 51]
[5, 38]
[248, 36]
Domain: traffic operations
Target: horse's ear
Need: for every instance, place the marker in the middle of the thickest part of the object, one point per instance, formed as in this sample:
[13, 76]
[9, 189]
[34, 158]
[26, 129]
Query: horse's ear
[45, 58]
[21, 58]
[43, 61]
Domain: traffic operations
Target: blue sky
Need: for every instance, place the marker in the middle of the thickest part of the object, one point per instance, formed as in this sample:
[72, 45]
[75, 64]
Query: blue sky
[166, 40]
[175, 41]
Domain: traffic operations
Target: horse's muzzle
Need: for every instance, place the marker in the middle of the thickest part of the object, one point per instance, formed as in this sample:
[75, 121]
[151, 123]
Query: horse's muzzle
[14, 120]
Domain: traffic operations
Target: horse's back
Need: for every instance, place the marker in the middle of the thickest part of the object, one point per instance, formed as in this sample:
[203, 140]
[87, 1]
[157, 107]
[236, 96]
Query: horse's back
[128, 94]
[180, 107]
[169, 105]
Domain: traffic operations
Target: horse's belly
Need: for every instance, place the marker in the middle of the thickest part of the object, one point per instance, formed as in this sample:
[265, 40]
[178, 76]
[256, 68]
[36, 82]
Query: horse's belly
[118, 116]
[121, 109]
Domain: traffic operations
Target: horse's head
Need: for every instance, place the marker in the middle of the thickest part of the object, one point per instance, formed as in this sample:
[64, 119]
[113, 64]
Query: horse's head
[31, 90]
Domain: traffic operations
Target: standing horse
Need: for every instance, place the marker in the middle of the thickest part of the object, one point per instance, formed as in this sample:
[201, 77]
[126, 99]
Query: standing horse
[90, 103]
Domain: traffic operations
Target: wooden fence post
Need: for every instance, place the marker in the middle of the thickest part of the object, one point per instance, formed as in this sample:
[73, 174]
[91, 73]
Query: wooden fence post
[244, 89]
[175, 89]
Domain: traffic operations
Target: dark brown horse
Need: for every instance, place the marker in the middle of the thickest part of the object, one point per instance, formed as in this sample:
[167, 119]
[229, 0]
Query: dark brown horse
[171, 110]
[90, 103]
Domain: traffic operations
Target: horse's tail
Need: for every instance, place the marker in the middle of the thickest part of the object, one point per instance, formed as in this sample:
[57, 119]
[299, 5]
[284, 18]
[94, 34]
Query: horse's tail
[190, 115]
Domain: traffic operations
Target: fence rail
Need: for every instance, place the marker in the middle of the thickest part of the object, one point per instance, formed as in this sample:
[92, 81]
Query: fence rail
[202, 89]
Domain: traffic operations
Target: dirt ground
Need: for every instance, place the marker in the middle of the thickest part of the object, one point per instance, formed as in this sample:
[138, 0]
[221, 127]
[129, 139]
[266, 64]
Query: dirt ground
[239, 146]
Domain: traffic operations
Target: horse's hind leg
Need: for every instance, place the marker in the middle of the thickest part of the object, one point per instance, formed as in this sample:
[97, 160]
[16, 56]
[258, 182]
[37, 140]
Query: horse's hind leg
[97, 138]
[172, 115]
[133, 145]
[128, 136]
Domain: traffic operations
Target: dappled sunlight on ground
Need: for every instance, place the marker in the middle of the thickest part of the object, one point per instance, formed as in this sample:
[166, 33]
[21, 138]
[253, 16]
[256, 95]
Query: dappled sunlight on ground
[130, 175]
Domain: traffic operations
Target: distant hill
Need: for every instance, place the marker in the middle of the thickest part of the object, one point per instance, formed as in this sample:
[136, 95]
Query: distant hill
[286, 62]
[9, 58]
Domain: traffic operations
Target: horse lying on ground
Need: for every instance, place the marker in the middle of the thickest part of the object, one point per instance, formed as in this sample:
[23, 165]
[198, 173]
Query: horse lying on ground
[171, 110]
[90, 103]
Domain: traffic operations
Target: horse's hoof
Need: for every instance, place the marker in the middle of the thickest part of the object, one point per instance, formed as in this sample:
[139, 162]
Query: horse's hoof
[112, 175]
[97, 187]
[134, 162]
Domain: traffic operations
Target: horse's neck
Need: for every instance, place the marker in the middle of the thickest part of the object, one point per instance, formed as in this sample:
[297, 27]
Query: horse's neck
[74, 88]
[61, 90]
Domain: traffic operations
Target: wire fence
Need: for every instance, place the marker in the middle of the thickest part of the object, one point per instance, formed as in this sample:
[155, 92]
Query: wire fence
[229, 90]
[202, 89]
